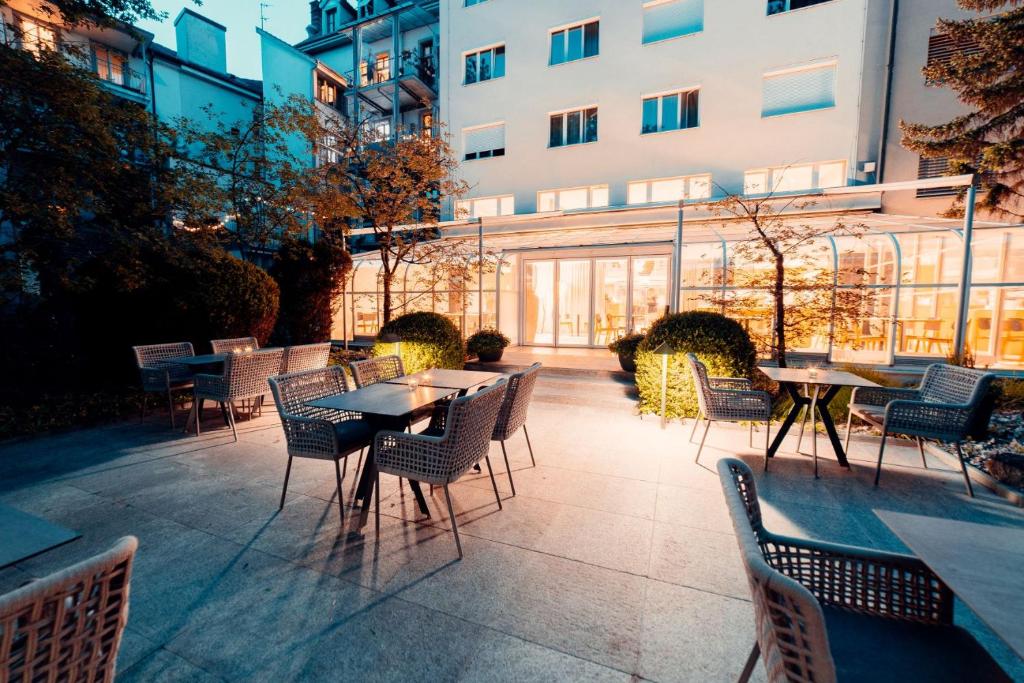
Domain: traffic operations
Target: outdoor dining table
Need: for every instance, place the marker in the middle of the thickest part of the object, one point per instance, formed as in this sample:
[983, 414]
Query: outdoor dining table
[463, 380]
[23, 536]
[389, 407]
[813, 379]
[979, 562]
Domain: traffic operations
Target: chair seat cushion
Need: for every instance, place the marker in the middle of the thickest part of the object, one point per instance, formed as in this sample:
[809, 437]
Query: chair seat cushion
[870, 648]
[353, 434]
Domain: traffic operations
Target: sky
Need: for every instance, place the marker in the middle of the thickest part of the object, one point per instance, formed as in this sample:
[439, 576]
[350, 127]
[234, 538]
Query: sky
[286, 19]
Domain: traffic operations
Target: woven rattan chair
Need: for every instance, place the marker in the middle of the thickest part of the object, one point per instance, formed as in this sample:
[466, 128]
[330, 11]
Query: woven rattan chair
[376, 370]
[728, 399]
[513, 413]
[234, 344]
[245, 377]
[441, 460]
[68, 625]
[319, 433]
[825, 612]
[944, 407]
[305, 357]
[160, 376]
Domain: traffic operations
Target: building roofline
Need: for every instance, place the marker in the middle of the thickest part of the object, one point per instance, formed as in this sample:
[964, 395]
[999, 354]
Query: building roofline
[197, 15]
[251, 86]
[270, 36]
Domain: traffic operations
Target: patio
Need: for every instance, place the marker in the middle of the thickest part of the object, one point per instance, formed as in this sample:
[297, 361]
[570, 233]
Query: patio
[615, 561]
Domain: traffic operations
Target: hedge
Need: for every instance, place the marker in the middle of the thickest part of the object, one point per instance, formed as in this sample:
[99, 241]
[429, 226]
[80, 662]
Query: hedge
[428, 340]
[720, 342]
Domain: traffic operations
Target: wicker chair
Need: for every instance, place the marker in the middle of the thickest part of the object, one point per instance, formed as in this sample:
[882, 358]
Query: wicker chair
[513, 413]
[235, 344]
[305, 357]
[68, 625]
[245, 377]
[319, 433]
[826, 612]
[440, 460]
[728, 399]
[376, 370]
[159, 375]
[944, 407]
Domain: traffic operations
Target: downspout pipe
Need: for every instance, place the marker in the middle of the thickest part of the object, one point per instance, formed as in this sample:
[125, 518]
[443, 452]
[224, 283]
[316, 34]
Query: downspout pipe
[883, 134]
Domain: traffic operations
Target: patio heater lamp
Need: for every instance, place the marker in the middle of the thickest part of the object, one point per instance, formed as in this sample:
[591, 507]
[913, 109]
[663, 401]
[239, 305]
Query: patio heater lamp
[665, 350]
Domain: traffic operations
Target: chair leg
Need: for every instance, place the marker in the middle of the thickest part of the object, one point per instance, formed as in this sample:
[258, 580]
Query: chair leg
[508, 468]
[170, 406]
[963, 468]
[494, 484]
[376, 507]
[231, 420]
[881, 450]
[748, 668]
[528, 445]
[750, 438]
[707, 426]
[338, 477]
[696, 421]
[849, 424]
[284, 489]
[920, 449]
[199, 414]
[451, 516]
[142, 412]
[767, 441]
[803, 427]
[359, 463]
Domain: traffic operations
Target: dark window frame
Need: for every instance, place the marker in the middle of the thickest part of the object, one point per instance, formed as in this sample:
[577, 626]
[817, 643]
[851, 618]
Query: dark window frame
[687, 111]
[497, 63]
[561, 127]
[561, 42]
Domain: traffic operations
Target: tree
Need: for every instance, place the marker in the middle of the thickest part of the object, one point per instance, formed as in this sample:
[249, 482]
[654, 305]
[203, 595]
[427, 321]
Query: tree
[986, 76]
[310, 276]
[784, 261]
[106, 13]
[393, 185]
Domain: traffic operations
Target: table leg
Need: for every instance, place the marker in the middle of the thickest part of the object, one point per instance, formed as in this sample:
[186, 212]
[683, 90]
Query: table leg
[814, 428]
[798, 403]
[830, 426]
[417, 491]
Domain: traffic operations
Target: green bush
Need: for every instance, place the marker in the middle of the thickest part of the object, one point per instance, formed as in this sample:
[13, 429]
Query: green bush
[310, 277]
[428, 340]
[721, 343]
[626, 345]
[486, 341]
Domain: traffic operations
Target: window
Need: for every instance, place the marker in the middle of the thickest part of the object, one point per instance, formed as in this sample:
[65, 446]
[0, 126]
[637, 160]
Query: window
[573, 127]
[802, 89]
[470, 3]
[480, 207]
[380, 72]
[795, 178]
[669, 189]
[484, 141]
[378, 130]
[670, 112]
[593, 196]
[109, 63]
[331, 20]
[485, 65]
[327, 150]
[427, 124]
[934, 168]
[780, 6]
[664, 19]
[365, 8]
[327, 91]
[36, 36]
[575, 42]
[942, 48]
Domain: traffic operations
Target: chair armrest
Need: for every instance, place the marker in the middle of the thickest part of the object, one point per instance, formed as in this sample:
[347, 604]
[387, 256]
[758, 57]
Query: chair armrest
[406, 453]
[921, 418]
[862, 580]
[729, 383]
[209, 384]
[309, 437]
[880, 396]
[155, 377]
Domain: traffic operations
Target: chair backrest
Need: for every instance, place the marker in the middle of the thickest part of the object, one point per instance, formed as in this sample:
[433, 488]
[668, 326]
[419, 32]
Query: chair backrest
[788, 620]
[513, 411]
[246, 374]
[305, 357]
[68, 625]
[944, 383]
[293, 390]
[376, 370]
[701, 385]
[156, 355]
[235, 344]
[468, 429]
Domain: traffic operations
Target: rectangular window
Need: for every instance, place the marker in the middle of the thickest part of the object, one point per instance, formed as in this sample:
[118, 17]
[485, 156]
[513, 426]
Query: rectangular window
[485, 65]
[669, 189]
[780, 6]
[575, 42]
[795, 178]
[797, 90]
[573, 127]
[670, 112]
[327, 91]
[568, 199]
[331, 20]
[484, 142]
[482, 207]
[36, 36]
[109, 63]
[664, 19]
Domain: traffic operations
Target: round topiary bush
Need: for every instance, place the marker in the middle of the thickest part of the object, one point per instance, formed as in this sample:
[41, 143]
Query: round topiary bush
[428, 340]
[487, 345]
[720, 342]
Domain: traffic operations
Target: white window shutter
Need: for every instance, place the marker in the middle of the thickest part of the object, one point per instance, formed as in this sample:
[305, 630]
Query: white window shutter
[485, 139]
[803, 90]
[663, 20]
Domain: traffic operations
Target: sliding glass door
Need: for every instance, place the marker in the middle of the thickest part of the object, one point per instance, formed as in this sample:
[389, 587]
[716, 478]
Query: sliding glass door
[573, 303]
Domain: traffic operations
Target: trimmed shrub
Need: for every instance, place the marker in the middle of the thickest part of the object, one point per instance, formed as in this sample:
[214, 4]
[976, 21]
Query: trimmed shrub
[428, 340]
[311, 277]
[720, 342]
[486, 341]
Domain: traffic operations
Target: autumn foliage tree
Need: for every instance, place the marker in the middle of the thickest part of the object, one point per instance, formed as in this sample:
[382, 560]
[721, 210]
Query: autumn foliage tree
[987, 74]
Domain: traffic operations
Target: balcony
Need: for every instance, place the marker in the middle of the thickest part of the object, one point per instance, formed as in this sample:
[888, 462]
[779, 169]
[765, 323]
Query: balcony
[126, 78]
[416, 81]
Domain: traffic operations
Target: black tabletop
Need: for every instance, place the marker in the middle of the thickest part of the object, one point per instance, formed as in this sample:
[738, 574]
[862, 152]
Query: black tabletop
[448, 379]
[390, 400]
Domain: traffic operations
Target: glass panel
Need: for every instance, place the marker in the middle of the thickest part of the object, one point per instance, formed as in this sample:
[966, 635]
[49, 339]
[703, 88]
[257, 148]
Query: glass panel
[927, 317]
[365, 277]
[670, 112]
[832, 175]
[650, 116]
[931, 258]
[558, 47]
[485, 207]
[573, 199]
[702, 264]
[988, 253]
[871, 259]
[670, 190]
[793, 178]
[557, 123]
[1010, 342]
[508, 206]
[611, 282]
[547, 202]
[499, 61]
[485, 65]
[995, 327]
[637, 193]
[867, 339]
[590, 126]
[574, 303]
[599, 196]
[573, 124]
[1014, 270]
[574, 49]
[650, 290]
[539, 302]
[366, 322]
[700, 187]
[691, 117]
[755, 182]
[591, 43]
[471, 68]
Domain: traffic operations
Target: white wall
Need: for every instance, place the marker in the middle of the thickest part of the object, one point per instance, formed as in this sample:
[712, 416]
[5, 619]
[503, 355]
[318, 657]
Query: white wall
[738, 45]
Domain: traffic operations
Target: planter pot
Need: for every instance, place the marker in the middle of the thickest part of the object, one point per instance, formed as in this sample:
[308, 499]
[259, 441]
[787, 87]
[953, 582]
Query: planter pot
[627, 362]
[490, 356]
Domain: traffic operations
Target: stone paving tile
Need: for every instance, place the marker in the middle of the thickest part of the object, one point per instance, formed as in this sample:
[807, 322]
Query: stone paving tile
[165, 667]
[695, 558]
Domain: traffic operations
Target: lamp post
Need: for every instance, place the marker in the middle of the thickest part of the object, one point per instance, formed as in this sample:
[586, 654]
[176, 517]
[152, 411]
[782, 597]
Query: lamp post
[665, 350]
[675, 301]
[392, 338]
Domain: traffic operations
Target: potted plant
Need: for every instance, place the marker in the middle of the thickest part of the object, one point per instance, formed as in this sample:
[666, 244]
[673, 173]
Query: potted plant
[487, 345]
[625, 347]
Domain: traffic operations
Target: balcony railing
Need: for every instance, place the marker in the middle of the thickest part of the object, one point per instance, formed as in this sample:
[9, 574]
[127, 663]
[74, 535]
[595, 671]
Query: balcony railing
[127, 78]
[423, 68]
